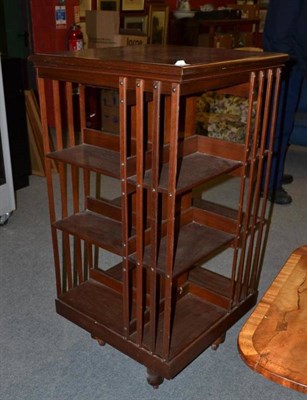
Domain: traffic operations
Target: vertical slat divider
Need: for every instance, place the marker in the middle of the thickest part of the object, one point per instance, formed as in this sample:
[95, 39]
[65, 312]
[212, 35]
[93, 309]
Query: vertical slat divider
[256, 224]
[67, 273]
[86, 176]
[87, 246]
[67, 266]
[255, 279]
[190, 116]
[70, 114]
[77, 263]
[48, 169]
[86, 173]
[171, 208]
[88, 260]
[98, 194]
[252, 174]
[139, 208]
[76, 208]
[167, 122]
[124, 202]
[234, 271]
[57, 114]
[154, 212]
[78, 260]
[82, 111]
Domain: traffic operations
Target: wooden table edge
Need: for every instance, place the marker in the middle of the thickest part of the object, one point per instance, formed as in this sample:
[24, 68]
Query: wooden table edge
[245, 339]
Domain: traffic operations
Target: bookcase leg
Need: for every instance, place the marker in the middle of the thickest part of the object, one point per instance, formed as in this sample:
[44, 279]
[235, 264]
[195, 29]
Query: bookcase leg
[218, 341]
[153, 379]
[99, 341]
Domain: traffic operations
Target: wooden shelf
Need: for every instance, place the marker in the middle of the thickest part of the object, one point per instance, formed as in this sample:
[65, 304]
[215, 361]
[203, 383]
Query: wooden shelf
[194, 243]
[98, 302]
[193, 169]
[94, 228]
[90, 157]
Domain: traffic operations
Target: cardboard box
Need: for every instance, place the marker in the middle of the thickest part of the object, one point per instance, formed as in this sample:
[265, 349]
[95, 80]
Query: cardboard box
[223, 40]
[249, 11]
[204, 40]
[117, 40]
[110, 119]
[102, 24]
[109, 97]
[131, 40]
[246, 39]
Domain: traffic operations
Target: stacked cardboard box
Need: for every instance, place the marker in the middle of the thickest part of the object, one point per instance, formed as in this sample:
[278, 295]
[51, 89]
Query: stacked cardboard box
[224, 40]
[109, 110]
[102, 28]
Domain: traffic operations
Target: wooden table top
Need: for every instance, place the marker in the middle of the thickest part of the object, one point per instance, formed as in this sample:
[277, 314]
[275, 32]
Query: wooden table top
[273, 341]
[159, 62]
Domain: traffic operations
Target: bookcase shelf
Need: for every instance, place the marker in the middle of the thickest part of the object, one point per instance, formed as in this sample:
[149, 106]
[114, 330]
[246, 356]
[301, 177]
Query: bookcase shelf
[193, 169]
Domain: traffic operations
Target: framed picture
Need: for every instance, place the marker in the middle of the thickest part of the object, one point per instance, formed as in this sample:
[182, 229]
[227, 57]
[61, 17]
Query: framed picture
[136, 23]
[263, 3]
[109, 5]
[262, 16]
[84, 5]
[133, 5]
[158, 23]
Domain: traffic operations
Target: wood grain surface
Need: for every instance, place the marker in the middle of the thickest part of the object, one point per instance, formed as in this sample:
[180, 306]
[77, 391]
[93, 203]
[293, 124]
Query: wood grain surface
[273, 341]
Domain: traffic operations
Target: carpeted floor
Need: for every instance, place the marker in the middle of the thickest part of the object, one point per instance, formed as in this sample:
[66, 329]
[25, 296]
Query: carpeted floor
[45, 357]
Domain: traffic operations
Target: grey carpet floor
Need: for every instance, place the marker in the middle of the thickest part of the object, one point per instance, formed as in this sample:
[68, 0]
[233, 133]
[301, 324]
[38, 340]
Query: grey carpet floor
[45, 357]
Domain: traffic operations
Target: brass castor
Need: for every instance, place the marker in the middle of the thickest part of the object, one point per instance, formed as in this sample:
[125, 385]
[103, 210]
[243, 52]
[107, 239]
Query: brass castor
[153, 379]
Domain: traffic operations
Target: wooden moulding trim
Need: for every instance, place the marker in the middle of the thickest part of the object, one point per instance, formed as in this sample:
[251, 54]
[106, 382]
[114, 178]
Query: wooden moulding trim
[211, 281]
[105, 279]
[101, 139]
[216, 221]
[104, 207]
[210, 286]
[213, 298]
[221, 148]
[105, 140]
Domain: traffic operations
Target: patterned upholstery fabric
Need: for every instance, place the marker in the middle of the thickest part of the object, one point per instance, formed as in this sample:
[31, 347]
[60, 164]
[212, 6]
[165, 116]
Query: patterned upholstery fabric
[222, 116]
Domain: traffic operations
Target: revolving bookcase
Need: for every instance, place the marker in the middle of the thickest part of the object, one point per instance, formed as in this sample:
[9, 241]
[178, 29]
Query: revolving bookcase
[160, 299]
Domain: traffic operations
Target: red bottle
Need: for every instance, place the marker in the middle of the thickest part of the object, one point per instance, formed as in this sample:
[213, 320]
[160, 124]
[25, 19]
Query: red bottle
[75, 38]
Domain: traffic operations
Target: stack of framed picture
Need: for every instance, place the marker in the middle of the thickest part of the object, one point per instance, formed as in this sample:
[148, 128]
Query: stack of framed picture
[151, 19]
[263, 5]
[148, 17]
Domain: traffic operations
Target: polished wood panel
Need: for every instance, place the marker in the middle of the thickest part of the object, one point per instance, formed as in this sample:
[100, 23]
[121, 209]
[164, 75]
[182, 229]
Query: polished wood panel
[273, 341]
